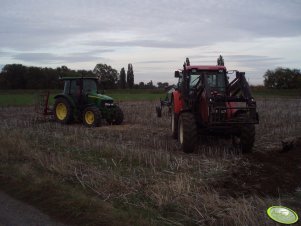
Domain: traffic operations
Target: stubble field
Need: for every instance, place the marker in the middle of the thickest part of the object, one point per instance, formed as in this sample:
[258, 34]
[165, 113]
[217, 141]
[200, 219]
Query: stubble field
[135, 174]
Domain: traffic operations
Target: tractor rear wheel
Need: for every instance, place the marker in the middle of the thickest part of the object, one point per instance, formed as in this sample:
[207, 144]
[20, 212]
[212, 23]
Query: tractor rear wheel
[63, 111]
[91, 117]
[187, 132]
[117, 116]
[174, 123]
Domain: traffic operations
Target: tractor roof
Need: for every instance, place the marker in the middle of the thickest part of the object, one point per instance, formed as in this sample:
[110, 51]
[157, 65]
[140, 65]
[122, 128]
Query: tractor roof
[206, 67]
[76, 78]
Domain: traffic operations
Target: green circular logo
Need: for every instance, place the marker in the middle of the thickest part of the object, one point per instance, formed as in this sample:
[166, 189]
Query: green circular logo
[282, 214]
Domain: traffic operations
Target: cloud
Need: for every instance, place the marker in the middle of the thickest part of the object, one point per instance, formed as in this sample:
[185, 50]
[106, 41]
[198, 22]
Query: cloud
[36, 24]
[156, 62]
[49, 32]
[56, 59]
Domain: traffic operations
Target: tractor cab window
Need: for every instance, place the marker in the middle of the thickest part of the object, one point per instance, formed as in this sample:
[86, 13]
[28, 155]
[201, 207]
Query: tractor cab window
[67, 87]
[194, 79]
[180, 80]
[89, 85]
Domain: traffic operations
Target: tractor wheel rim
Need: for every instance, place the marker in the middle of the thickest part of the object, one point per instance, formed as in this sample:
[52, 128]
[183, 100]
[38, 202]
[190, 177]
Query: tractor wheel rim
[89, 117]
[61, 111]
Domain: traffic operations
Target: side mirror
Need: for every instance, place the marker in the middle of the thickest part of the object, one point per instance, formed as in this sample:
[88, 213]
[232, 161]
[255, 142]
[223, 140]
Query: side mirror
[177, 74]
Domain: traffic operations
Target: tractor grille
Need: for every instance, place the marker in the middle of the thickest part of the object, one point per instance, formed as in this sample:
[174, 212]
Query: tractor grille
[233, 115]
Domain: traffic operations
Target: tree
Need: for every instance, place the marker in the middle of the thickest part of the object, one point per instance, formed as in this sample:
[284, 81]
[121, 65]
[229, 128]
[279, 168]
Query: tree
[282, 78]
[13, 76]
[107, 75]
[150, 85]
[122, 79]
[220, 61]
[130, 76]
[141, 85]
[162, 85]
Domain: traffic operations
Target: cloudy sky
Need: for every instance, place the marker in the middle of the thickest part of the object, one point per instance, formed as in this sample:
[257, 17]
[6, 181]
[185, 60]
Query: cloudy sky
[155, 36]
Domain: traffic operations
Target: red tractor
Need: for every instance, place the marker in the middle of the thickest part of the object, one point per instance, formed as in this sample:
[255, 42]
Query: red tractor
[205, 103]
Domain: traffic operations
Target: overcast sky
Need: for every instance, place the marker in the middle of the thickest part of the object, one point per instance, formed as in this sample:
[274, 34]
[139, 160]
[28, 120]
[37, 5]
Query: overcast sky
[155, 36]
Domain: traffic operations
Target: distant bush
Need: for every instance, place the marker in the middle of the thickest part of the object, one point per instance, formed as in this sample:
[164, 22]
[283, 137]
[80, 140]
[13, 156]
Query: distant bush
[282, 78]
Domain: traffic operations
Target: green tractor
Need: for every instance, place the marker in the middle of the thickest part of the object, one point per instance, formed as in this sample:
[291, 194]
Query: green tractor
[80, 101]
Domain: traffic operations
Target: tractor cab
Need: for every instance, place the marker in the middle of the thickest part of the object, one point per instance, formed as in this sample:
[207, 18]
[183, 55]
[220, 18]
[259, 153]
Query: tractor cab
[198, 76]
[79, 86]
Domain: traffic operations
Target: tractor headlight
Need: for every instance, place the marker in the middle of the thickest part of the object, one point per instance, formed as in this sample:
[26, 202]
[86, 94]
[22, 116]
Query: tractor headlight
[109, 104]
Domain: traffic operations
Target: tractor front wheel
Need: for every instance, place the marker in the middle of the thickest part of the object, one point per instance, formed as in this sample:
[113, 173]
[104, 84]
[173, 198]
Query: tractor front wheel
[187, 132]
[246, 139]
[117, 116]
[63, 111]
[159, 111]
[91, 117]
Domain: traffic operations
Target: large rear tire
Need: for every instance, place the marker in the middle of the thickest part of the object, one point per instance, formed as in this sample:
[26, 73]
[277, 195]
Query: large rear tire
[247, 138]
[91, 117]
[63, 111]
[187, 132]
[174, 123]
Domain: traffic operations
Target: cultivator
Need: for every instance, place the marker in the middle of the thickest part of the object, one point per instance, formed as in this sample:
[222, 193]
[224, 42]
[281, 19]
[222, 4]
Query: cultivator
[42, 105]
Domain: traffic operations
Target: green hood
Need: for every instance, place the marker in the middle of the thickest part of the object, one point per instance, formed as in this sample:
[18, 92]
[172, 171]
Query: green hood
[99, 96]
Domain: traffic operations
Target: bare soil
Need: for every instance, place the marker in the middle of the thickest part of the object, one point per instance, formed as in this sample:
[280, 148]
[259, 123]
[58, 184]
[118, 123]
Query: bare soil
[267, 173]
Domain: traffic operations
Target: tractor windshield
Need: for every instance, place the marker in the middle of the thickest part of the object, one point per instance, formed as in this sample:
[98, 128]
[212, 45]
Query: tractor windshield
[216, 80]
[89, 85]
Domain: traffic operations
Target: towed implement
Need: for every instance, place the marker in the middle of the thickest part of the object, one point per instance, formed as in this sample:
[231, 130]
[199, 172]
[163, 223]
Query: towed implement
[80, 101]
[205, 103]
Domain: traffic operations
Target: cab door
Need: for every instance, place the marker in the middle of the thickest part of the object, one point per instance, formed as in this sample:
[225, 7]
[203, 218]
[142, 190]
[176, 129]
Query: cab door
[75, 91]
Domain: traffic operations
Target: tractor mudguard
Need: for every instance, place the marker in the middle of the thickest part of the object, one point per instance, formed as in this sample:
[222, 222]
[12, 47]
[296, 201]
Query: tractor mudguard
[68, 98]
[178, 102]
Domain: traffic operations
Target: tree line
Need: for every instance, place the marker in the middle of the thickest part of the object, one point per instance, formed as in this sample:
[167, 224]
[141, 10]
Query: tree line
[18, 76]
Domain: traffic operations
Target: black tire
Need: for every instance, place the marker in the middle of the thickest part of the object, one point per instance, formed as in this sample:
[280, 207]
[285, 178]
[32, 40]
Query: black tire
[117, 116]
[159, 111]
[62, 110]
[91, 117]
[174, 123]
[246, 139]
[187, 132]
